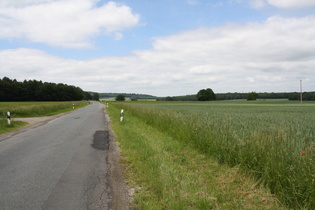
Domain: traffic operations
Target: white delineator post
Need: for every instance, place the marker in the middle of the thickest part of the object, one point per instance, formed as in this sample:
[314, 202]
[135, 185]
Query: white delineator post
[72, 106]
[9, 118]
[121, 115]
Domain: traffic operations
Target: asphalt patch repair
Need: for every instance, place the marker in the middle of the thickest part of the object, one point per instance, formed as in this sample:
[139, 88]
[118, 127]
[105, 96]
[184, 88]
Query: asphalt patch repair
[101, 140]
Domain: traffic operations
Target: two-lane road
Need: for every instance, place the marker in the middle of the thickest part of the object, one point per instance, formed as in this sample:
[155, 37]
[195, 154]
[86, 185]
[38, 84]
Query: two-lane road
[59, 165]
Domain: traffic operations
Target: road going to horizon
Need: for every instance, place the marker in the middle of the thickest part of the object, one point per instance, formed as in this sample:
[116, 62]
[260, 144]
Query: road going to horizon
[59, 165]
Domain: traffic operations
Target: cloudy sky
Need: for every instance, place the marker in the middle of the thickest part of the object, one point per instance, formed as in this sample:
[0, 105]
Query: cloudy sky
[162, 48]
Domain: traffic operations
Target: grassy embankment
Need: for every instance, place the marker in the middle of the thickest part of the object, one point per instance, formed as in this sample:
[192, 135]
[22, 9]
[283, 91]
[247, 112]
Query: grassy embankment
[218, 155]
[32, 109]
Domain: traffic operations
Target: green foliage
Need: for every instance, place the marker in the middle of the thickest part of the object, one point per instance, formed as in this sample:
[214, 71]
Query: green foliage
[120, 97]
[32, 90]
[206, 95]
[96, 97]
[252, 96]
[261, 138]
[179, 98]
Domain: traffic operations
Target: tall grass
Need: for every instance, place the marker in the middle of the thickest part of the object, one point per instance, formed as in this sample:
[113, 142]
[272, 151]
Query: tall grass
[168, 174]
[272, 142]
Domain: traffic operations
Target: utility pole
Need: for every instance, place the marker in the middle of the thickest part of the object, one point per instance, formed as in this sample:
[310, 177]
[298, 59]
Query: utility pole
[301, 98]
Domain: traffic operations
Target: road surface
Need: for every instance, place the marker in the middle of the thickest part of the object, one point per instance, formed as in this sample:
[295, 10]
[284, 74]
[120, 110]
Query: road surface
[59, 165]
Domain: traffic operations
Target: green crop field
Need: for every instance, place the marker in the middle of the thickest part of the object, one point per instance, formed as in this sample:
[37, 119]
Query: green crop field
[32, 109]
[272, 141]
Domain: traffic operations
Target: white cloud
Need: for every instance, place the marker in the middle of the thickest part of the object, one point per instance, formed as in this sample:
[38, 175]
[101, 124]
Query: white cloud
[118, 36]
[65, 23]
[291, 3]
[283, 4]
[20, 3]
[257, 4]
[267, 56]
[192, 2]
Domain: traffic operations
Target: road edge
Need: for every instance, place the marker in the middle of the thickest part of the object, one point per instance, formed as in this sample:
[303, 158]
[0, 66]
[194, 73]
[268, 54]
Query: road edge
[120, 198]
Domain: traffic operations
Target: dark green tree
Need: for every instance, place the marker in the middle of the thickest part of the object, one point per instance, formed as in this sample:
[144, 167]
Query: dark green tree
[87, 96]
[32, 90]
[206, 95]
[120, 97]
[96, 97]
[252, 96]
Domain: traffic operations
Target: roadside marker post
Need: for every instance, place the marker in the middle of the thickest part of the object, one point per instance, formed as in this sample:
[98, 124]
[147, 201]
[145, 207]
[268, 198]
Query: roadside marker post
[121, 115]
[9, 118]
[72, 106]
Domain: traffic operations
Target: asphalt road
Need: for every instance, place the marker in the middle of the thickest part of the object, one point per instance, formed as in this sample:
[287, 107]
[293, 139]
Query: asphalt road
[59, 165]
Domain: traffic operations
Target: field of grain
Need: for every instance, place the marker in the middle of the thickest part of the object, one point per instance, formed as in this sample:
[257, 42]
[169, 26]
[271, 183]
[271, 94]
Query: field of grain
[272, 140]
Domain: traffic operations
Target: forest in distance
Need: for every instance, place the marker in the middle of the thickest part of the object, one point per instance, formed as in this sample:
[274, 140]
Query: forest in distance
[33, 90]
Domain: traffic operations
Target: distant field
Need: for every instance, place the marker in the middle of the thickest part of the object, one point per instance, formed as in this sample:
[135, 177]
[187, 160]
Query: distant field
[271, 140]
[127, 99]
[32, 109]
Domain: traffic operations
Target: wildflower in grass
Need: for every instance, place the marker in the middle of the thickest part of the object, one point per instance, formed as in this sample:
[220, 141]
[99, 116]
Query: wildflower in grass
[303, 153]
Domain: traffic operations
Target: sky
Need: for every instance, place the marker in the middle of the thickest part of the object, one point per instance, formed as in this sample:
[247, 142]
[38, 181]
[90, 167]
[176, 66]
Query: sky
[161, 48]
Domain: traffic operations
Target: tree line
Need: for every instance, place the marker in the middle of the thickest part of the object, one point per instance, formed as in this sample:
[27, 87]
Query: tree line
[307, 96]
[33, 90]
[127, 95]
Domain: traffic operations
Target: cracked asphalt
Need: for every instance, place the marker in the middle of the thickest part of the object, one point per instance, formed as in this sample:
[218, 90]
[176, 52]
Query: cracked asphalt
[62, 164]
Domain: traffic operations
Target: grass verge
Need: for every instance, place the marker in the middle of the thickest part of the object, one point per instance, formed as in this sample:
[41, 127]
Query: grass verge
[170, 174]
[4, 127]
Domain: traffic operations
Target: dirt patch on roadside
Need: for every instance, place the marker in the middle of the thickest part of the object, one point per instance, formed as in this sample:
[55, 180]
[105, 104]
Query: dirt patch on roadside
[33, 122]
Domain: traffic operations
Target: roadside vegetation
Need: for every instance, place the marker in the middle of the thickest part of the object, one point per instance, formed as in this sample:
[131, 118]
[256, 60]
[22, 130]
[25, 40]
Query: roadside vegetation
[272, 142]
[33, 109]
[5, 127]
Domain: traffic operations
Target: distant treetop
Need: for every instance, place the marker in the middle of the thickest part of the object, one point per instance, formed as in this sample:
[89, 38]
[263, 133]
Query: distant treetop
[206, 95]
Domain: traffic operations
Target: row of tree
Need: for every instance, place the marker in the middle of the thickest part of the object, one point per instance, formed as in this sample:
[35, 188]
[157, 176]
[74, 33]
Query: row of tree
[33, 90]
[307, 96]
[127, 95]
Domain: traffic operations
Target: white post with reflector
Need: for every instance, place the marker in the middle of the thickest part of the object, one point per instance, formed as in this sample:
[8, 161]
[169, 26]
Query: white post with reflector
[9, 118]
[121, 115]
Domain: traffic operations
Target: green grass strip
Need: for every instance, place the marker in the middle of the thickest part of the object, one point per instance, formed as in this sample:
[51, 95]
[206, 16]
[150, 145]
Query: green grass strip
[14, 125]
[170, 174]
